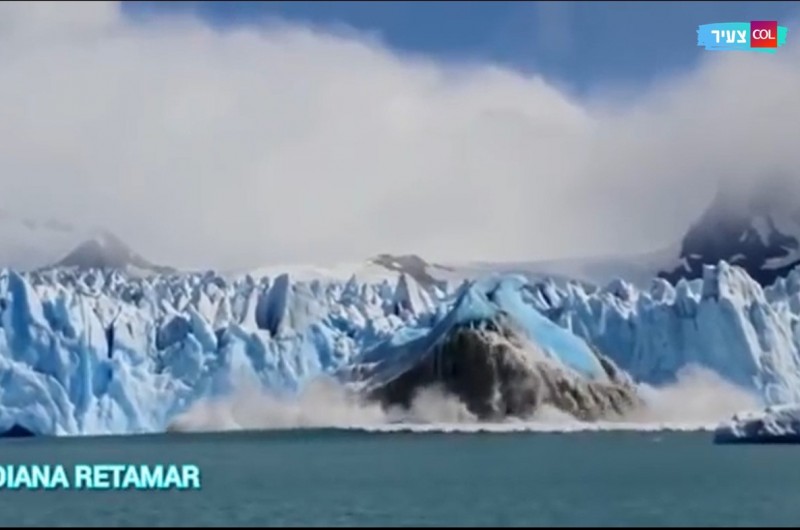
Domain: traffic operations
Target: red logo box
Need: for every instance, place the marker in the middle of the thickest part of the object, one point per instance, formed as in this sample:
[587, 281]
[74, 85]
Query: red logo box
[764, 34]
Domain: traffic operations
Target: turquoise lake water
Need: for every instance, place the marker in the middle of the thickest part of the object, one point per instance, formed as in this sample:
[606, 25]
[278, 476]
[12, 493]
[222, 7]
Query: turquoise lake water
[345, 478]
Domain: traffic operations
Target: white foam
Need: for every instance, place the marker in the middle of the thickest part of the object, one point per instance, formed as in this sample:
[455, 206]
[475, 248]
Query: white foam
[535, 427]
[697, 402]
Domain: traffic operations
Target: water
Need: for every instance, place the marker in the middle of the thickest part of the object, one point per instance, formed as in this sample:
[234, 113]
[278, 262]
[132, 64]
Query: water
[343, 478]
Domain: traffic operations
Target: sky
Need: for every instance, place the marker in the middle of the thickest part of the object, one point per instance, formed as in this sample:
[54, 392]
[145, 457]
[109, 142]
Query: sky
[585, 46]
[237, 134]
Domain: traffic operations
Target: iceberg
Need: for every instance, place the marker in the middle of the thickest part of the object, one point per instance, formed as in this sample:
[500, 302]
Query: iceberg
[775, 425]
[499, 356]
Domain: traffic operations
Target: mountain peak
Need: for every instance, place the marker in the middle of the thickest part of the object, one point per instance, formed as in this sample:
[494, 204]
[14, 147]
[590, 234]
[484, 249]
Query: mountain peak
[107, 251]
[412, 265]
[754, 225]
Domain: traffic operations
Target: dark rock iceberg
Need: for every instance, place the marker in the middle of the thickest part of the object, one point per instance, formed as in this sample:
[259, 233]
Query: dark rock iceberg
[498, 373]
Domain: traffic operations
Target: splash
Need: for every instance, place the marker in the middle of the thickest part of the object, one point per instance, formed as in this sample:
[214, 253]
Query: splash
[699, 395]
[698, 400]
[323, 404]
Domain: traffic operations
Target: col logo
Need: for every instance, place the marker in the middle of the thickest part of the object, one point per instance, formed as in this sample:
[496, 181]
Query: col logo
[756, 36]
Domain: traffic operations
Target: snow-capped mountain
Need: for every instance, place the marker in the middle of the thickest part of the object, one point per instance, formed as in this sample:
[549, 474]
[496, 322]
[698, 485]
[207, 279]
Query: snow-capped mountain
[383, 267]
[754, 226]
[428, 274]
[107, 251]
[29, 244]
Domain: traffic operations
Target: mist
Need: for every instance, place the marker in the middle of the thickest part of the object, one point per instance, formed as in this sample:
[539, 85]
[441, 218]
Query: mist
[324, 403]
[698, 397]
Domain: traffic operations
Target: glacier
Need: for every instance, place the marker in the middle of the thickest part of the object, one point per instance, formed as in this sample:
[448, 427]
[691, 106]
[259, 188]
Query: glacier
[102, 352]
[724, 321]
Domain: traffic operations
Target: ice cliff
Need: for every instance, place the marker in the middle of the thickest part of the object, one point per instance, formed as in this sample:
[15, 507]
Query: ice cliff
[723, 321]
[102, 352]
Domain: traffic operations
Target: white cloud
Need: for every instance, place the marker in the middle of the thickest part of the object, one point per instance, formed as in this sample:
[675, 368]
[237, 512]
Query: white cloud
[203, 147]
